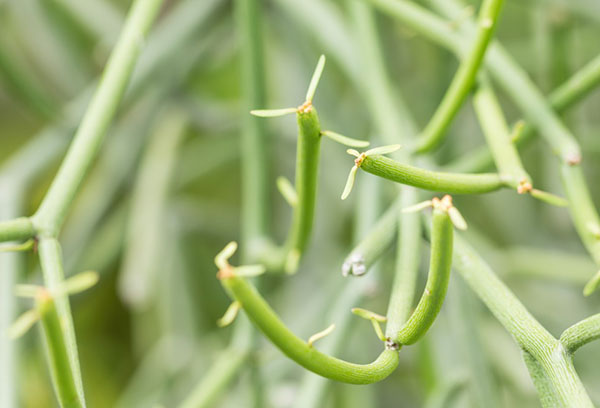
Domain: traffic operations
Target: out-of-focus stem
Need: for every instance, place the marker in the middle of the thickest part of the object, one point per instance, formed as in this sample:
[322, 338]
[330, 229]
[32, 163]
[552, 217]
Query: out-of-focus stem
[581, 333]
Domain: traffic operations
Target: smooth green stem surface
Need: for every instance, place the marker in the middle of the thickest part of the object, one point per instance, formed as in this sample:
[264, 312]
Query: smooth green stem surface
[464, 79]
[17, 229]
[58, 354]
[431, 301]
[581, 333]
[226, 367]
[497, 135]
[52, 268]
[452, 183]
[86, 143]
[307, 165]
[261, 314]
[374, 243]
[525, 329]
[407, 264]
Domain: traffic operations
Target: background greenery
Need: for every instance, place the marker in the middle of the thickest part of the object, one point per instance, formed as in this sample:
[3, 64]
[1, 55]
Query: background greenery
[160, 203]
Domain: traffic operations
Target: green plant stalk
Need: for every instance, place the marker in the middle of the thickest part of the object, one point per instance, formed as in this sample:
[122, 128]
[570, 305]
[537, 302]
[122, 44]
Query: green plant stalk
[497, 135]
[216, 379]
[578, 86]
[374, 243]
[529, 334]
[57, 347]
[517, 84]
[52, 269]
[452, 183]
[86, 143]
[18, 229]
[581, 333]
[464, 79]
[407, 264]
[548, 397]
[431, 301]
[307, 165]
[261, 314]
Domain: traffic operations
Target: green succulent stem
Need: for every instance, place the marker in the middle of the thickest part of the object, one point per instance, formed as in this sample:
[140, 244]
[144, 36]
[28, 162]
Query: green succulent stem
[261, 314]
[430, 304]
[58, 353]
[581, 333]
[18, 229]
[464, 79]
[308, 150]
[452, 183]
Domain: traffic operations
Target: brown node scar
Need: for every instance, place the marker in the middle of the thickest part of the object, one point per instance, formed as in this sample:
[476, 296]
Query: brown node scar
[444, 204]
[573, 159]
[305, 107]
[524, 186]
[226, 273]
[358, 161]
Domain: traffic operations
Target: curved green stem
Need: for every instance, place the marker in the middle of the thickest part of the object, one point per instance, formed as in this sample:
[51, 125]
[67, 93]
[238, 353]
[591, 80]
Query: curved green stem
[429, 305]
[297, 349]
[307, 166]
[463, 80]
[86, 143]
[581, 333]
[58, 354]
[452, 183]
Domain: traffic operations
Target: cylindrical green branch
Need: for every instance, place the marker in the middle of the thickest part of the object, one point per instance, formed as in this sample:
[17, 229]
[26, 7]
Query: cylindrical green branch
[297, 349]
[18, 229]
[431, 301]
[452, 183]
[86, 143]
[464, 79]
[307, 166]
[57, 353]
[581, 333]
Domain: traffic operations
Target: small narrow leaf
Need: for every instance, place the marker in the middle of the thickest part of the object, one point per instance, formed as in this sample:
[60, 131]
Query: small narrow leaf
[592, 285]
[25, 246]
[272, 113]
[78, 283]
[383, 150]
[222, 258]
[418, 207]
[249, 271]
[287, 190]
[23, 324]
[367, 314]
[349, 182]
[27, 291]
[230, 314]
[353, 152]
[344, 140]
[457, 218]
[378, 330]
[517, 130]
[314, 82]
[320, 335]
[549, 198]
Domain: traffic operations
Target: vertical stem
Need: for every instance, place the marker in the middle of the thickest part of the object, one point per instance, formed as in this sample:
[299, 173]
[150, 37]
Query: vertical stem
[86, 143]
[544, 388]
[52, 268]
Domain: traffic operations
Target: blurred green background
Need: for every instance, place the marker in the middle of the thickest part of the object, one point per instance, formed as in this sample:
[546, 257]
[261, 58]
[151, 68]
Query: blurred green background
[164, 197]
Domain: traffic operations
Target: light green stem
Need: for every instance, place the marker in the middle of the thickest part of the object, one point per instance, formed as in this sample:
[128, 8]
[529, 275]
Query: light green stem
[452, 183]
[525, 329]
[544, 388]
[297, 349]
[52, 268]
[497, 135]
[86, 143]
[464, 79]
[18, 229]
[58, 350]
[431, 301]
[581, 333]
